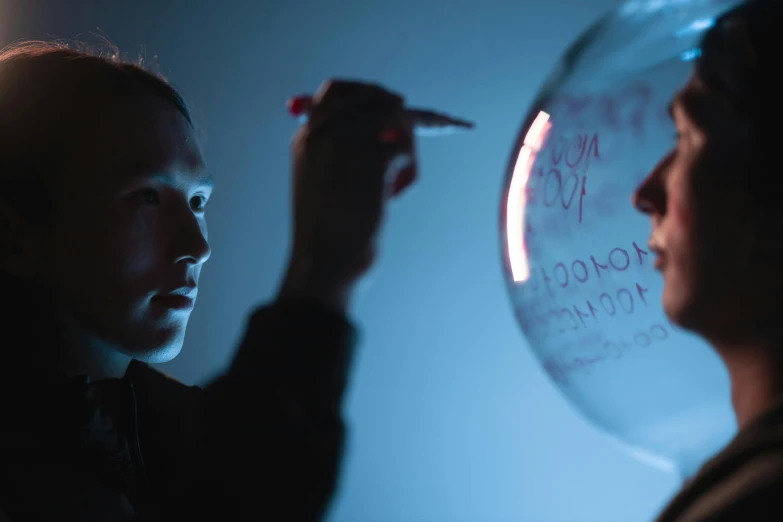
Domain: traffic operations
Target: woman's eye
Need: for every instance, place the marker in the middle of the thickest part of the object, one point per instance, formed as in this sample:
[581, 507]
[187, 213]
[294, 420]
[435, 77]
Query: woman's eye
[198, 203]
[149, 197]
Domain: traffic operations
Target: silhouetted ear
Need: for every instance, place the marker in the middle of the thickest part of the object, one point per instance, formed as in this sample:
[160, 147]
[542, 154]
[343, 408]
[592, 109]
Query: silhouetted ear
[21, 252]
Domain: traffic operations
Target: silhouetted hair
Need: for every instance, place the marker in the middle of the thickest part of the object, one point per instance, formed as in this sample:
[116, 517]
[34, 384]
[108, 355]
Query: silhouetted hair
[48, 92]
[741, 61]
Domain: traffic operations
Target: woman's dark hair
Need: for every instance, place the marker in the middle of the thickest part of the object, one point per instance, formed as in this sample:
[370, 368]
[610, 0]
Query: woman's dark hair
[741, 62]
[741, 56]
[49, 93]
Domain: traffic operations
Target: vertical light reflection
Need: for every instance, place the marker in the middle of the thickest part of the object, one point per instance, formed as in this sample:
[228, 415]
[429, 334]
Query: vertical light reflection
[517, 196]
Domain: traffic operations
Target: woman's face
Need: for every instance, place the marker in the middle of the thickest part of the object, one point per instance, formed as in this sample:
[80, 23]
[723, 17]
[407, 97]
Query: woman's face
[704, 231]
[130, 236]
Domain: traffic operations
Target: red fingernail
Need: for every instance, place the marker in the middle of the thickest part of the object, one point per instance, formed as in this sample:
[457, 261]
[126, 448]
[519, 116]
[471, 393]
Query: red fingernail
[298, 105]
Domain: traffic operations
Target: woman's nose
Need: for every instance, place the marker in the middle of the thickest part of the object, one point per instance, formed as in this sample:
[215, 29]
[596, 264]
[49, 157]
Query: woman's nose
[650, 196]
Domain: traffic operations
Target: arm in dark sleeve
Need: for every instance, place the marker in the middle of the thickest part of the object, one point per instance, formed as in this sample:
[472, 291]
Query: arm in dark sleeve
[274, 431]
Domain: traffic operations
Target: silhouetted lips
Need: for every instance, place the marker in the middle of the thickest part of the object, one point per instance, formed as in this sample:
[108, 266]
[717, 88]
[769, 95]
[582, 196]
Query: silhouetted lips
[180, 299]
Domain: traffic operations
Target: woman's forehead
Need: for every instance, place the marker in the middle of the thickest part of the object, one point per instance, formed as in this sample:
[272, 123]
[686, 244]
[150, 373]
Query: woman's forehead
[142, 136]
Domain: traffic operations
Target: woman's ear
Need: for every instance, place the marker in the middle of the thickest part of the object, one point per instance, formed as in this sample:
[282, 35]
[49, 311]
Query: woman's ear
[21, 246]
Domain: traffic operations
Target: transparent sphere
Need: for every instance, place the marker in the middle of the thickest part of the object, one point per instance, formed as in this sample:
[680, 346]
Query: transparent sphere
[579, 273]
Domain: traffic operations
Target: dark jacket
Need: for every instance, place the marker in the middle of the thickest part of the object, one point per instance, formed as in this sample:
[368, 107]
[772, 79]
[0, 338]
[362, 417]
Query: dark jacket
[744, 483]
[261, 443]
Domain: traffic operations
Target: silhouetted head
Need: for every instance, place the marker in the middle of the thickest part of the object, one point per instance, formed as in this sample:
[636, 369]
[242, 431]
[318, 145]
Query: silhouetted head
[102, 194]
[715, 200]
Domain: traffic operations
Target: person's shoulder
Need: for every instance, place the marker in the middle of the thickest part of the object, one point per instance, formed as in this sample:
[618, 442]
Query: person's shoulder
[749, 488]
[168, 407]
[153, 385]
[753, 491]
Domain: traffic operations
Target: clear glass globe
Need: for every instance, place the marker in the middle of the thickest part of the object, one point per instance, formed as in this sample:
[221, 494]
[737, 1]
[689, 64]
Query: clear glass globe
[579, 274]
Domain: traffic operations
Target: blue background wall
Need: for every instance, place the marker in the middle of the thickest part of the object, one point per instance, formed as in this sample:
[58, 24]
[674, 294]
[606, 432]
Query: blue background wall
[451, 418]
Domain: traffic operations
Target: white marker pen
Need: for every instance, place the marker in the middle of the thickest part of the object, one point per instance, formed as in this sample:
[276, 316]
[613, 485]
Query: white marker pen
[426, 123]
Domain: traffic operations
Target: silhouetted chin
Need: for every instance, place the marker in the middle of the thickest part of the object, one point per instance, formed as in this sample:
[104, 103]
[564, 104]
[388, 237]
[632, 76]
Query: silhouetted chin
[720, 320]
[161, 355]
[683, 310]
[159, 346]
